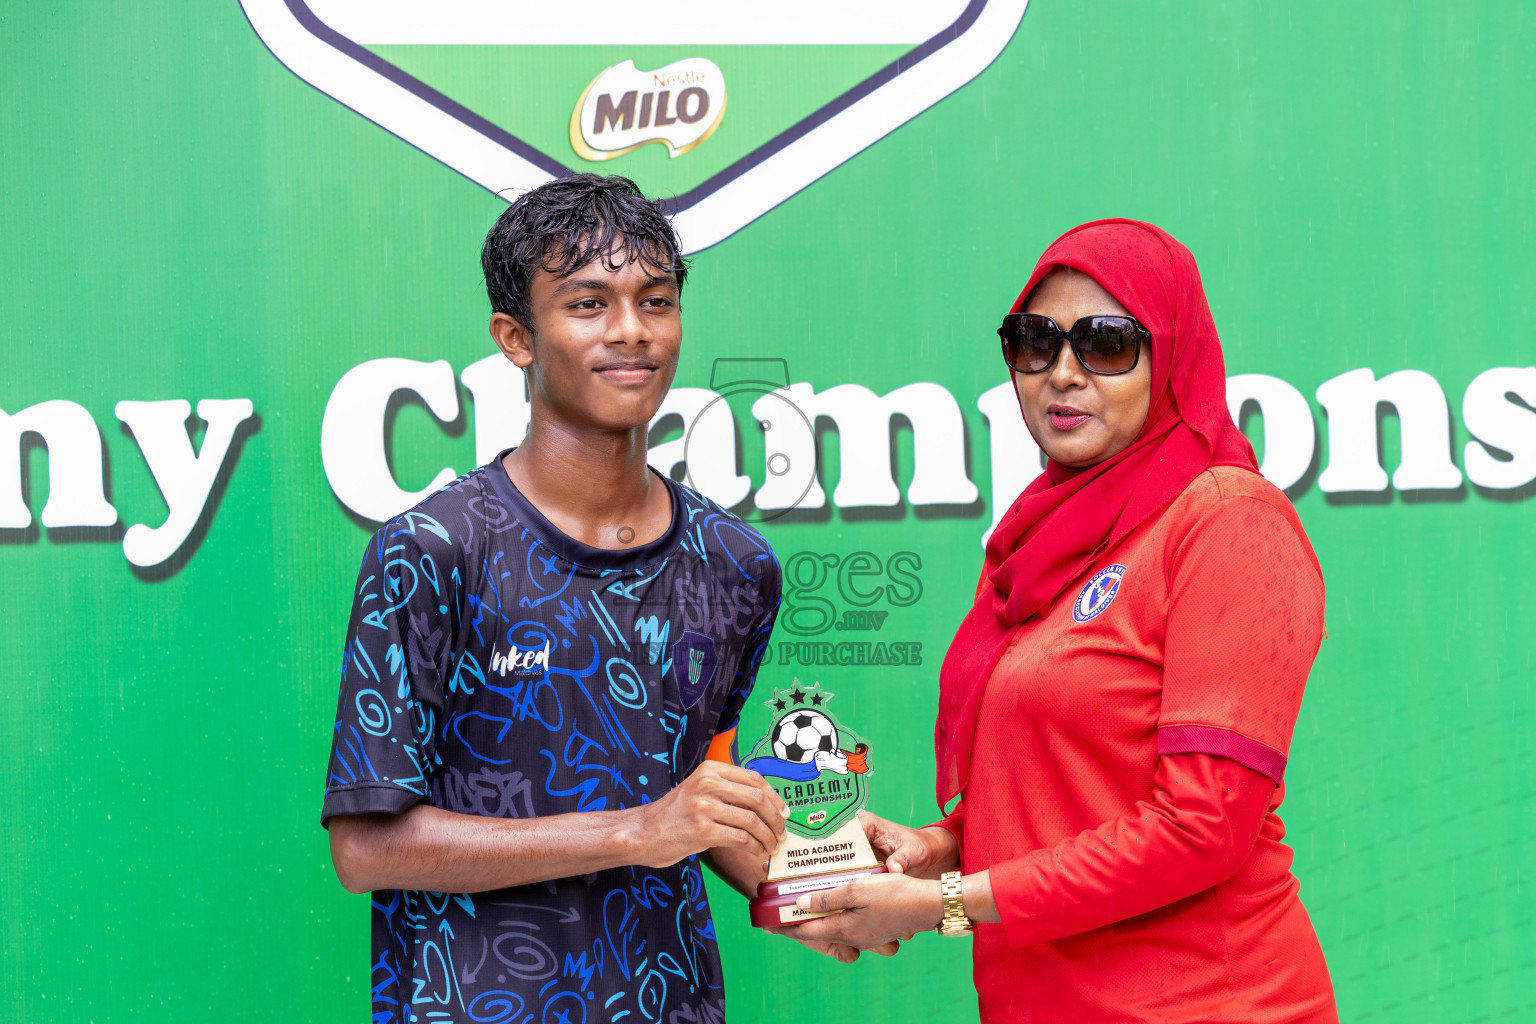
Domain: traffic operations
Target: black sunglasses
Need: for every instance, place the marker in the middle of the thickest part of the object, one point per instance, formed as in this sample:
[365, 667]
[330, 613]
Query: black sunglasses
[1106, 345]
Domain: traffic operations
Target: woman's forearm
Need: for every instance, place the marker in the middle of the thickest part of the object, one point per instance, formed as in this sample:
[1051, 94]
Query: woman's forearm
[945, 847]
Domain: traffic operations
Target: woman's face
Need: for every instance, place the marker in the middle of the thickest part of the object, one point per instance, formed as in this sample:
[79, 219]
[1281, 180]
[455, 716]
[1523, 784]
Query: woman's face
[1081, 418]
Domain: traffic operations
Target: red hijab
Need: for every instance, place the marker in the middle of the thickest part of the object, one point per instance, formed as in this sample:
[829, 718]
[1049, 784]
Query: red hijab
[1062, 522]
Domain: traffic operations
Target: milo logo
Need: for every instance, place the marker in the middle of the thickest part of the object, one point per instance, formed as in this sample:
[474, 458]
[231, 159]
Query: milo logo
[513, 94]
[624, 108]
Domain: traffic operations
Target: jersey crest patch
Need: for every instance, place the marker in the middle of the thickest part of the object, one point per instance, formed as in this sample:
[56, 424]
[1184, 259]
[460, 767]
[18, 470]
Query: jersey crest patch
[1098, 592]
[693, 665]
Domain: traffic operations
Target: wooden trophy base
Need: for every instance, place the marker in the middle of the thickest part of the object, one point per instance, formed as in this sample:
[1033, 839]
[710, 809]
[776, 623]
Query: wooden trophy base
[801, 865]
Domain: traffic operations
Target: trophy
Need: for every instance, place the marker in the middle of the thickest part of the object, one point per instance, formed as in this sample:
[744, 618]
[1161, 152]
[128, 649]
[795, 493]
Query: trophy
[819, 767]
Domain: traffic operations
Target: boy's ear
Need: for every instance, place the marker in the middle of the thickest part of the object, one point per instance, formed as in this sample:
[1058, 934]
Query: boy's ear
[513, 338]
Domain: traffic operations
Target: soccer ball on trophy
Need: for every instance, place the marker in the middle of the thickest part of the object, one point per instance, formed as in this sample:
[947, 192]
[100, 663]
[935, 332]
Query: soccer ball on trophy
[800, 735]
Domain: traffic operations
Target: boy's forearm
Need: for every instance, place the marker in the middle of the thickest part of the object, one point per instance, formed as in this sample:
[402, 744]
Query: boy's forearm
[741, 868]
[441, 851]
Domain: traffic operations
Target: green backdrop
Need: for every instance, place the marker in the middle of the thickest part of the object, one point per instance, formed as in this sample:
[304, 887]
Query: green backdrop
[183, 218]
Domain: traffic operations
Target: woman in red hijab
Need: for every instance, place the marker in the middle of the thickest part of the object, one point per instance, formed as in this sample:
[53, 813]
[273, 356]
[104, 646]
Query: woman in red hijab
[1116, 709]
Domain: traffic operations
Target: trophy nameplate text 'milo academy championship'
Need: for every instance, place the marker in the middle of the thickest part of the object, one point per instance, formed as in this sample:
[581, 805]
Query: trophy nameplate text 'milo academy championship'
[820, 768]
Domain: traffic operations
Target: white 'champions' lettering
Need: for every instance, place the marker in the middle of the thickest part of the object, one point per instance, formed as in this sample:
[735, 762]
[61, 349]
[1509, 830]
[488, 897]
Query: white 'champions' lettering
[1496, 410]
[76, 478]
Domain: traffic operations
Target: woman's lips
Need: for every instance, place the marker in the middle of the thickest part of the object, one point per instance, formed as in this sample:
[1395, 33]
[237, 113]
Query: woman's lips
[1066, 418]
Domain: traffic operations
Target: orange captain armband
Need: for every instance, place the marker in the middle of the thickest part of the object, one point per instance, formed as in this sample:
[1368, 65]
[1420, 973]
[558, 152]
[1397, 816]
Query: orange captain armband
[720, 747]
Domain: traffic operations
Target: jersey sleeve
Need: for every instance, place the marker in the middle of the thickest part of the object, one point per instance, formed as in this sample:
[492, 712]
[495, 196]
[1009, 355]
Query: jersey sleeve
[754, 647]
[1245, 621]
[393, 672]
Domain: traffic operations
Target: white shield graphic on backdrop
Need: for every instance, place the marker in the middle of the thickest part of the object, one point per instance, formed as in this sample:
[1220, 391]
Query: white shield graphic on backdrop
[486, 86]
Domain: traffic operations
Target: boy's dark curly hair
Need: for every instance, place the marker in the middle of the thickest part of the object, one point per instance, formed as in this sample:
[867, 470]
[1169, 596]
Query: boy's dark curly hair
[563, 225]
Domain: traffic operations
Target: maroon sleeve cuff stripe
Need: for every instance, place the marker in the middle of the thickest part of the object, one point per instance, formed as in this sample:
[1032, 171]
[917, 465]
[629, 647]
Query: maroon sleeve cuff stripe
[1205, 739]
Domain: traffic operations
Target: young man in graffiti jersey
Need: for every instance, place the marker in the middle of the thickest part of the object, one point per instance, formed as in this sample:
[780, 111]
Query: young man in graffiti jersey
[544, 668]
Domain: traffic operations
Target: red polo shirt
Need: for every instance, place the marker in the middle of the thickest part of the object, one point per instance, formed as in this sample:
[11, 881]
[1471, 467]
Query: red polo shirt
[1127, 767]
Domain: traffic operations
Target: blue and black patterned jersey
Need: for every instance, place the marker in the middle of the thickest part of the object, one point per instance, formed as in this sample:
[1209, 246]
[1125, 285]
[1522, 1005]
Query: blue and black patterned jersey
[495, 666]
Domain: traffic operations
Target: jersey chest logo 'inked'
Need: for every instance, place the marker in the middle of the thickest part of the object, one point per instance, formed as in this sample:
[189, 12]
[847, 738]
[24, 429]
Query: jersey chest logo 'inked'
[1098, 592]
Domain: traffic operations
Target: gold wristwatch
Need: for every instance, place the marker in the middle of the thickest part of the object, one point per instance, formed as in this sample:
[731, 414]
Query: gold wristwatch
[955, 922]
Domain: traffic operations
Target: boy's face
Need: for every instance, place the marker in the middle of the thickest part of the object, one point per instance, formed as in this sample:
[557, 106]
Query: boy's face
[604, 345]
